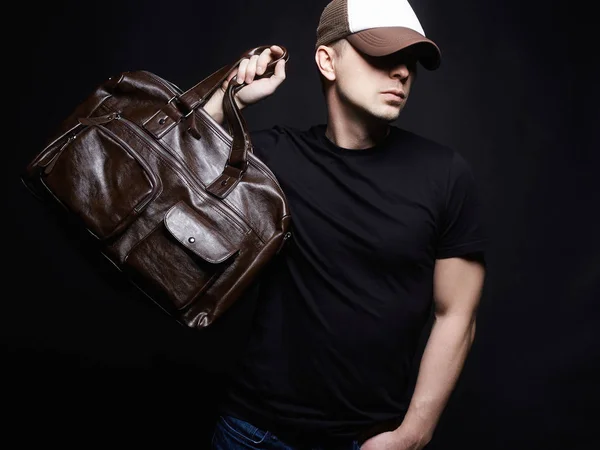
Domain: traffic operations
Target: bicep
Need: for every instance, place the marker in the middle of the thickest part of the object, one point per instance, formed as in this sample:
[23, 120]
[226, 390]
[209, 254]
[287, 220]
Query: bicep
[457, 285]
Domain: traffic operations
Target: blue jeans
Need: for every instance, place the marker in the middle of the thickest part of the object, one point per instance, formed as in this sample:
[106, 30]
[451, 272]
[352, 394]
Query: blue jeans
[232, 433]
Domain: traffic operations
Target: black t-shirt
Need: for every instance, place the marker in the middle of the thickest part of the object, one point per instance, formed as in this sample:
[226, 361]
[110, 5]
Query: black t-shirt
[341, 309]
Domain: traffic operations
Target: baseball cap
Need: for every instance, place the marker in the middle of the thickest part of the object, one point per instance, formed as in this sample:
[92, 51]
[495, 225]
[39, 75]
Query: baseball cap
[377, 28]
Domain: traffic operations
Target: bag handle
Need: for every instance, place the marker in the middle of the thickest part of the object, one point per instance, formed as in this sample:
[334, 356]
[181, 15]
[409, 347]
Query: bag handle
[196, 97]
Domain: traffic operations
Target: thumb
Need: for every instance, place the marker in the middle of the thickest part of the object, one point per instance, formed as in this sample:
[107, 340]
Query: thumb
[279, 72]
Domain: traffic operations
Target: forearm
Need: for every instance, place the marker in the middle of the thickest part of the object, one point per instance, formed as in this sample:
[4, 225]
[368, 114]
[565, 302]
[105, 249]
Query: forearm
[253, 91]
[442, 361]
[214, 106]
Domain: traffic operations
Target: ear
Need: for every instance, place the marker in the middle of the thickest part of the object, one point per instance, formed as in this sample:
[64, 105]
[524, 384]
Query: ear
[325, 59]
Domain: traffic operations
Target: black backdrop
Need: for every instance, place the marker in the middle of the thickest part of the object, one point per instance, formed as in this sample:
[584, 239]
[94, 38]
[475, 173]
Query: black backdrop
[89, 360]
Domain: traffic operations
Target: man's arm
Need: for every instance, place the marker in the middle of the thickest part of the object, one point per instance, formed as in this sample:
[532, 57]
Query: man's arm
[255, 90]
[458, 283]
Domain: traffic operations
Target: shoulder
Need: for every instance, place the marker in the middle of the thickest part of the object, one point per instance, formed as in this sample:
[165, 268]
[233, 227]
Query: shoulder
[270, 135]
[280, 137]
[445, 168]
[422, 145]
[437, 158]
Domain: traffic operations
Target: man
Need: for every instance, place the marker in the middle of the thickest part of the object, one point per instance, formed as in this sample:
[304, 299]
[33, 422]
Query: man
[385, 227]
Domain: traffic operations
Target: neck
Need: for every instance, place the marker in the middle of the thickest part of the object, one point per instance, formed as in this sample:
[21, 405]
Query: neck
[355, 130]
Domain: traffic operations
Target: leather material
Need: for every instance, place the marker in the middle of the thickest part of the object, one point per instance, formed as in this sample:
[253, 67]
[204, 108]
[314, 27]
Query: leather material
[175, 201]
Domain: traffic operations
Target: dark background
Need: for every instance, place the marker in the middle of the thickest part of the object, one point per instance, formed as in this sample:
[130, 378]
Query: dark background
[88, 360]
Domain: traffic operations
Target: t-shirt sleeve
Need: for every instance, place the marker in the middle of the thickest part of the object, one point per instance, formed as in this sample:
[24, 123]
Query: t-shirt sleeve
[462, 231]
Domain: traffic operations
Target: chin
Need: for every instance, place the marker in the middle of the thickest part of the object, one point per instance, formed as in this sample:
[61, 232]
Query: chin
[388, 116]
[386, 112]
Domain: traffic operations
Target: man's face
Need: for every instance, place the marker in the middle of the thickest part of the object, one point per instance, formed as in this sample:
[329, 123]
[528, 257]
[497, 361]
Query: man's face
[376, 86]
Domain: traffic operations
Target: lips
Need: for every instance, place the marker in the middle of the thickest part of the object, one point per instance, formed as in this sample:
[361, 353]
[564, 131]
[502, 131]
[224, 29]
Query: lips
[397, 92]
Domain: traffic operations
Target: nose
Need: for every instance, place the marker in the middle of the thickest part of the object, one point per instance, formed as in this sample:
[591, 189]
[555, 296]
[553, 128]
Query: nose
[400, 71]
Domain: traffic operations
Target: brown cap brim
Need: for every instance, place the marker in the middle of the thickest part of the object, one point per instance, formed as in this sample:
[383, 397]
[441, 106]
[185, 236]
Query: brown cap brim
[387, 40]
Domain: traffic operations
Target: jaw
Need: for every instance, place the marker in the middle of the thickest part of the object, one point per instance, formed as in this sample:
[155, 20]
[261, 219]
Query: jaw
[382, 111]
[369, 112]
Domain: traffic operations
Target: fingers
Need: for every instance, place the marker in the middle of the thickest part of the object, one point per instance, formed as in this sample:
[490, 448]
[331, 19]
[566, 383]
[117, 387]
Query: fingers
[241, 72]
[266, 56]
[249, 68]
[276, 50]
[256, 65]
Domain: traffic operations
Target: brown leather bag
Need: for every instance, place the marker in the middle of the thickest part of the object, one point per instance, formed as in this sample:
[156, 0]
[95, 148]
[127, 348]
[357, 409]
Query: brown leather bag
[177, 203]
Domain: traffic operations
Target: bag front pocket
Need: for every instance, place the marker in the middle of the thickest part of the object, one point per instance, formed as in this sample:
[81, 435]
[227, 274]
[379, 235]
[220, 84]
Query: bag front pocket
[184, 254]
[101, 179]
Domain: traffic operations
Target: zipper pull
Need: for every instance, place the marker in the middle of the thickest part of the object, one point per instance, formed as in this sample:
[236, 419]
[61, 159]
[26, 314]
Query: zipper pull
[286, 237]
[100, 119]
[50, 164]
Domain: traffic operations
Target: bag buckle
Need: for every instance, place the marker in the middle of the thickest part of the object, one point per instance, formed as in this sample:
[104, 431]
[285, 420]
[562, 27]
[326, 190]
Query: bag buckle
[182, 107]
